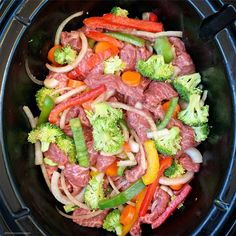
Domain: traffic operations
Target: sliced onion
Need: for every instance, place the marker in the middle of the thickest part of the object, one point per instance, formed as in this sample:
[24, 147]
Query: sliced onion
[80, 196]
[159, 34]
[38, 154]
[126, 163]
[56, 191]
[103, 97]
[138, 105]
[125, 132]
[167, 189]
[45, 175]
[93, 168]
[62, 25]
[159, 133]
[204, 96]
[30, 116]
[133, 146]
[61, 90]
[122, 155]
[31, 76]
[131, 156]
[51, 83]
[69, 94]
[178, 180]
[62, 122]
[69, 67]
[195, 155]
[68, 194]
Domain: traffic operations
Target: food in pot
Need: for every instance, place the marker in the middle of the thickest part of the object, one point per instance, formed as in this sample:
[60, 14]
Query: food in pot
[121, 114]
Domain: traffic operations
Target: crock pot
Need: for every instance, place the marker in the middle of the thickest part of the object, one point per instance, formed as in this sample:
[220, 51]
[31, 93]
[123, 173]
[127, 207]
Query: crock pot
[27, 31]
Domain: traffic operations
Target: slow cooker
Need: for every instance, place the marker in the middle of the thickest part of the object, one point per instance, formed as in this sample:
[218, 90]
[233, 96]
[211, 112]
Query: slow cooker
[27, 31]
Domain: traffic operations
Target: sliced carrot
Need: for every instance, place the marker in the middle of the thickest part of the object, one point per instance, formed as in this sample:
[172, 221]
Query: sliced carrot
[51, 54]
[127, 214]
[166, 105]
[126, 147]
[112, 169]
[75, 83]
[176, 187]
[131, 78]
[103, 46]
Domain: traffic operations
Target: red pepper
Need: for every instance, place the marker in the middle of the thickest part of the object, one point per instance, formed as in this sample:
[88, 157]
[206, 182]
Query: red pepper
[98, 36]
[78, 100]
[134, 23]
[164, 164]
[173, 205]
[152, 17]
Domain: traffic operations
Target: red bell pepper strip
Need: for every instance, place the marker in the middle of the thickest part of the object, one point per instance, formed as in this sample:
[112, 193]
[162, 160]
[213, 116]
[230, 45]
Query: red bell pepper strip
[134, 23]
[173, 205]
[164, 164]
[78, 100]
[98, 36]
[150, 16]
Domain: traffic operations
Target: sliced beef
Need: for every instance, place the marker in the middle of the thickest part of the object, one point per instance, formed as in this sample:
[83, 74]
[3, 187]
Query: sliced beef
[157, 111]
[136, 172]
[96, 221]
[121, 182]
[182, 60]
[61, 77]
[71, 38]
[56, 155]
[104, 161]
[188, 137]
[136, 229]
[93, 155]
[50, 170]
[77, 175]
[188, 164]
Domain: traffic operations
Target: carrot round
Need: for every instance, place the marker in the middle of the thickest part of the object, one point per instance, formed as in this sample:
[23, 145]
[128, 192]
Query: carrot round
[176, 187]
[75, 83]
[131, 78]
[51, 57]
[166, 105]
[104, 46]
[127, 215]
[112, 169]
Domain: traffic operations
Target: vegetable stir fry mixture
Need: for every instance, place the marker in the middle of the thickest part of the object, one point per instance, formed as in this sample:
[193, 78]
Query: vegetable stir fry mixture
[121, 113]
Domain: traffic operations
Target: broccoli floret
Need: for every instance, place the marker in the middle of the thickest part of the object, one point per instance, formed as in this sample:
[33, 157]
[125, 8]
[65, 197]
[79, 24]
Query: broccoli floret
[155, 68]
[169, 142]
[94, 191]
[46, 133]
[49, 162]
[186, 85]
[67, 145]
[69, 208]
[107, 135]
[113, 65]
[65, 55]
[201, 132]
[196, 113]
[112, 222]
[41, 94]
[117, 11]
[174, 170]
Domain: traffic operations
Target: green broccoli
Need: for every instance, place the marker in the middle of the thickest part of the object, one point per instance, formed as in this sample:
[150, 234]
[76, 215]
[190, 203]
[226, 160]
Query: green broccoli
[46, 133]
[196, 113]
[112, 222]
[113, 65]
[186, 85]
[94, 191]
[69, 208]
[49, 162]
[107, 135]
[65, 55]
[67, 145]
[41, 94]
[117, 11]
[155, 68]
[174, 170]
[169, 142]
[201, 132]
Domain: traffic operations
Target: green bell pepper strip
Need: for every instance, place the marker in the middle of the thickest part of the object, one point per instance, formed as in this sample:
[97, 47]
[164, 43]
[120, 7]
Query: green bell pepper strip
[128, 38]
[163, 46]
[122, 197]
[48, 105]
[121, 170]
[82, 155]
[91, 43]
[169, 113]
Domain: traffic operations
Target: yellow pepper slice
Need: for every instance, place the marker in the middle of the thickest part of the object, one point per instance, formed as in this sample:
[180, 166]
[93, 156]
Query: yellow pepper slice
[152, 162]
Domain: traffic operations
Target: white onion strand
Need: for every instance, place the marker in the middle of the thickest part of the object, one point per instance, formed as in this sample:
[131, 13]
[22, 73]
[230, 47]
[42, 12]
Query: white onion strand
[45, 175]
[31, 76]
[51, 83]
[62, 122]
[159, 34]
[194, 154]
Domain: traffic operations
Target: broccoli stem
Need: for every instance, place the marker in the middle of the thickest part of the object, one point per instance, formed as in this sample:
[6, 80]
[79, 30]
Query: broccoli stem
[169, 113]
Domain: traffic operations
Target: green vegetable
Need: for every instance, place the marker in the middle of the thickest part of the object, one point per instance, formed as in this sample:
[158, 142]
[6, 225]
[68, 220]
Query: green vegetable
[175, 170]
[82, 155]
[128, 38]
[112, 222]
[196, 113]
[69, 208]
[113, 65]
[121, 170]
[91, 43]
[163, 47]
[117, 11]
[155, 68]
[169, 113]
[65, 55]
[48, 105]
[46, 133]
[169, 142]
[186, 85]
[201, 132]
[41, 94]
[94, 191]
[49, 162]
[122, 197]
